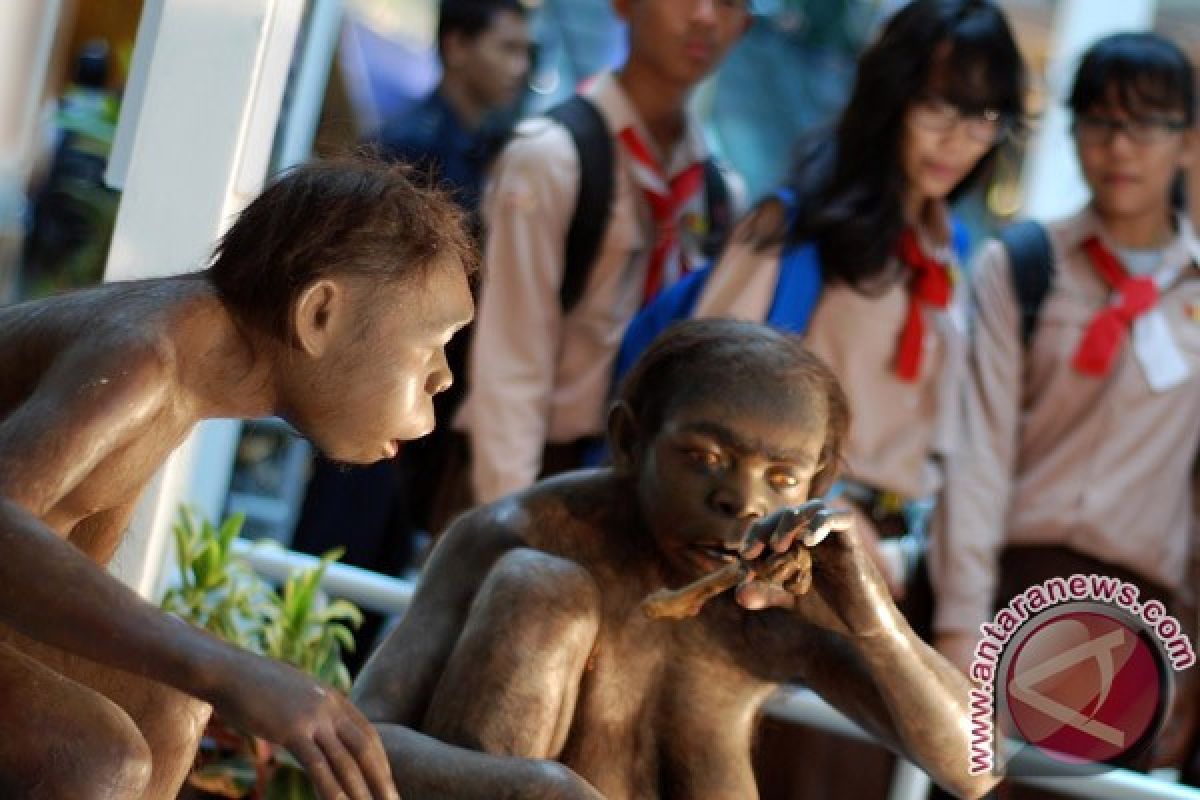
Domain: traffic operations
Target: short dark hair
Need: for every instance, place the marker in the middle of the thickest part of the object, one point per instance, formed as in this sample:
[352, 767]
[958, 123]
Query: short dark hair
[697, 357]
[471, 17]
[1140, 71]
[350, 215]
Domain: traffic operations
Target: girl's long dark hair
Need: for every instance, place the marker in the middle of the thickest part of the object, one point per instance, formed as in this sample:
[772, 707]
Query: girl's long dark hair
[848, 180]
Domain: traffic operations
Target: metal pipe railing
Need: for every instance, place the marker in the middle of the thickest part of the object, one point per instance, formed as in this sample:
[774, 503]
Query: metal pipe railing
[388, 595]
[366, 589]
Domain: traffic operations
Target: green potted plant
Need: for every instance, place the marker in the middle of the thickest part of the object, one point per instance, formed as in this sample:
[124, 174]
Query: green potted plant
[220, 592]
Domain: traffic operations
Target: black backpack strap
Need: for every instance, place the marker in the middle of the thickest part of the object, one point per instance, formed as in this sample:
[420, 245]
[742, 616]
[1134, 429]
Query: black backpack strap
[1031, 261]
[594, 144]
[718, 207]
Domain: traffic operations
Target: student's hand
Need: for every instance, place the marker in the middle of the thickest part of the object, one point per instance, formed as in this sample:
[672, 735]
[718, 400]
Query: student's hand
[810, 559]
[341, 751]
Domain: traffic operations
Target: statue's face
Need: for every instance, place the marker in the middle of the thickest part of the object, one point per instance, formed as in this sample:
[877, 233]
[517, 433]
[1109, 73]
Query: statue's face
[374, 388]
[719, 463]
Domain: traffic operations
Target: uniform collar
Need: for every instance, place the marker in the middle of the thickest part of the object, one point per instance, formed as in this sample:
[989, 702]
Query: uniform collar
[1183, 248]
[618, 110]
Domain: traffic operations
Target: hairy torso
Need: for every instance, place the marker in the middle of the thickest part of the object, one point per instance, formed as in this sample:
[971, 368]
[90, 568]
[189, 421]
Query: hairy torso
[666, 709]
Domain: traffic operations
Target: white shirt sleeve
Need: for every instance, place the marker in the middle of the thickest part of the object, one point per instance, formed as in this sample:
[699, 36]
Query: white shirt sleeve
[970, 526]
[518, 330]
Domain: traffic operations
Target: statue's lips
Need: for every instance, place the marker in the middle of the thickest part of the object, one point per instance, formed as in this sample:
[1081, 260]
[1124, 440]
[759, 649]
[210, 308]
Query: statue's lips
[714, 556]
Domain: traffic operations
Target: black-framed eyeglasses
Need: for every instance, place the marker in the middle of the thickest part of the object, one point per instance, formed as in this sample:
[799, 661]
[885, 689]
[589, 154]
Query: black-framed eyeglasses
[936, 114]
[1095, 129]
[732, 6]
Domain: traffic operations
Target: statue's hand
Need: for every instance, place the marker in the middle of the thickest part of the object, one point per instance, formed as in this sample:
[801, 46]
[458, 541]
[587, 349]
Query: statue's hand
[809, 558]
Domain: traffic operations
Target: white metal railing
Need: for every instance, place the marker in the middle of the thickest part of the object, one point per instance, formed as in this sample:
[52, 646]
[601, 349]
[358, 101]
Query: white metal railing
[366, 589]
[381, 593]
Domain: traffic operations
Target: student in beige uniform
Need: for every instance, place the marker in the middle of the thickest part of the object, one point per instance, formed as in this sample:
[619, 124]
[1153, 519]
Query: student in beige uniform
[537, 376]
[1077, 455]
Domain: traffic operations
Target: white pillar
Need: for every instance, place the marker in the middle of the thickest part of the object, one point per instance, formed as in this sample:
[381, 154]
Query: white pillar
[27, 32]
[1054, 186]
[306, 97]
[193, 144]
[27, 40]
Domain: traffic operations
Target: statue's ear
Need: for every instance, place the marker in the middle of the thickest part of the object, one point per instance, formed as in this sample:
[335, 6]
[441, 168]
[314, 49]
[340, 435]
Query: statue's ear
[828, 469]
[624, 438]
[822, 481]
[315, 314]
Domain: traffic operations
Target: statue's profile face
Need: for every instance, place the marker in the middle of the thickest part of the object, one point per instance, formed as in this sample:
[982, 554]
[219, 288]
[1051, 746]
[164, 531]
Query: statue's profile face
[374, 387]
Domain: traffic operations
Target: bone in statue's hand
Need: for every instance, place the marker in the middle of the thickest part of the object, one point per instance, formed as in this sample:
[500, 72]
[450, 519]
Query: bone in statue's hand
[779, 576]
[778, 552]
[808, 558]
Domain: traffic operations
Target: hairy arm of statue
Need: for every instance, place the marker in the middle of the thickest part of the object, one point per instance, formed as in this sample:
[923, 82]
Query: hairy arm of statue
[397, 685]
[858, 652]
[96, 401]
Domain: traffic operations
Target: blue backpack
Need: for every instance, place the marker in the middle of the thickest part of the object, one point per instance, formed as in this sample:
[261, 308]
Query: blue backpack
[796, 295]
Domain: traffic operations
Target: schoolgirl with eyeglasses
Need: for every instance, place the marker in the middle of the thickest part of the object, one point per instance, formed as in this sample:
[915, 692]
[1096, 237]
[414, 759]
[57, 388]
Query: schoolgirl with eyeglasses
[1082, 414]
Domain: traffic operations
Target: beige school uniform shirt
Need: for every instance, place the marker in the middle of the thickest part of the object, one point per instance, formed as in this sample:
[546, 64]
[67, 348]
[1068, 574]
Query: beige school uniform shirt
[899, 431]
[1054, 457]
[536, 376]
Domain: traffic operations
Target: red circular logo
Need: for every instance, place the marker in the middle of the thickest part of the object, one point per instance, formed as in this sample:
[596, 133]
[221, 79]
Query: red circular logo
[1085, 687]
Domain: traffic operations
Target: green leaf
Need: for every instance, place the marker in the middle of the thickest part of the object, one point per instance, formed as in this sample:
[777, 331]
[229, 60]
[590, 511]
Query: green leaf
[298, 597]
[342, 610]
[183, 548]
[230, 528]
[344, 636]
[341, 679]
[290, 784]
[333, 555]
[295, 623]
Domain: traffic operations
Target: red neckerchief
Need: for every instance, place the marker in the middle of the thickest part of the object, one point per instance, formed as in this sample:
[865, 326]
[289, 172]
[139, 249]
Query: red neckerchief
[930, 284]
[1107, 331]
[665, 207]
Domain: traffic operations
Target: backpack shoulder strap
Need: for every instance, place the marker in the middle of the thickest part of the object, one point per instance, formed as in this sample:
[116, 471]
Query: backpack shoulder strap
[594, 144]
[1031, 260]
[718, 209]
[798, 290]
[960, 239]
